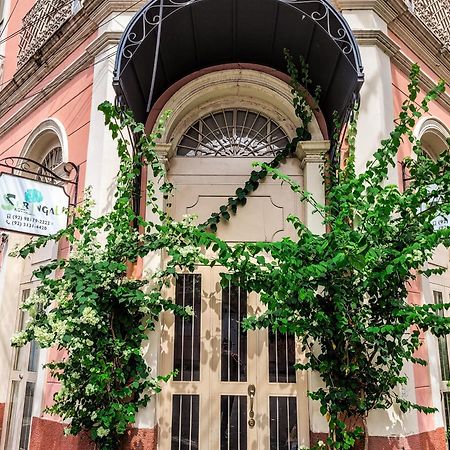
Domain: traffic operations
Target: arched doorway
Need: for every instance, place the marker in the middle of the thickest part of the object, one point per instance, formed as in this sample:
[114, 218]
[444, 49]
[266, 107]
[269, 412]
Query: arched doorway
[168, 47]
[233, 389]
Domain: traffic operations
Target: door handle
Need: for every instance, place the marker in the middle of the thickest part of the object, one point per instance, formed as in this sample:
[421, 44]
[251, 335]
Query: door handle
[251, 414]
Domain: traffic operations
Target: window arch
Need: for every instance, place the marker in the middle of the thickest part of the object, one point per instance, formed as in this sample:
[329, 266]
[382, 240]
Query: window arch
[47, 143]
[433, 135]
[235, 89]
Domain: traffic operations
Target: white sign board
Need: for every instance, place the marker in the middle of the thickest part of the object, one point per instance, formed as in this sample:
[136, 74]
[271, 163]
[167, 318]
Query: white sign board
[439, 222]
[32, 207]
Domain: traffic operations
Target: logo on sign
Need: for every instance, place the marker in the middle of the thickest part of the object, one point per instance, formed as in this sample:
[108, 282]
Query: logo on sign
[31, 203]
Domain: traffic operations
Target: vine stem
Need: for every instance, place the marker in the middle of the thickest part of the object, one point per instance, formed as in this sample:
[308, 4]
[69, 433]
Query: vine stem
[366, 433]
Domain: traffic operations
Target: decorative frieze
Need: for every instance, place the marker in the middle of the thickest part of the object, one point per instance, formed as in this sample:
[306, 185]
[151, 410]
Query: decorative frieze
[39, 25]
[435, 14]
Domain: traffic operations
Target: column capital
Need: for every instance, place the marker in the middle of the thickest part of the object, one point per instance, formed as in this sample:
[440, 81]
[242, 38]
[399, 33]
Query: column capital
[164, 152]
[312, 151]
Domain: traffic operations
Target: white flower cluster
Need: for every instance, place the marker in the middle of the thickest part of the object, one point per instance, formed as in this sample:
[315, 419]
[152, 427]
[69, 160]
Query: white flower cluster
[19, 339]
[89, 316]
[90, 389]
[87, 253]
[189, 250]
[101, 432]
[44, 337]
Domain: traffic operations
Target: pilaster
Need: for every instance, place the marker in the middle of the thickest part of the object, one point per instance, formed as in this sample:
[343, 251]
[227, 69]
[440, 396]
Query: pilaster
[369, 21]
[311, 155]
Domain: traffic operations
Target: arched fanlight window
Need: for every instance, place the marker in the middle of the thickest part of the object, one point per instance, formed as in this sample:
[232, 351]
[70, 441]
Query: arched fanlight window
[53, 158]
[50, 161]
[433, 135]
[233, 132]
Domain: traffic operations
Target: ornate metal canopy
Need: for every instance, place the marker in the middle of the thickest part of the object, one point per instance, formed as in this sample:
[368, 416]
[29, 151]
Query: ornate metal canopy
[169, 39]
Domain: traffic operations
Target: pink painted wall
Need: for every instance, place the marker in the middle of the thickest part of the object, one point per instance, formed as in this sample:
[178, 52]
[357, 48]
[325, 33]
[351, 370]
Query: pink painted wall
[400, 83]
[70, 104]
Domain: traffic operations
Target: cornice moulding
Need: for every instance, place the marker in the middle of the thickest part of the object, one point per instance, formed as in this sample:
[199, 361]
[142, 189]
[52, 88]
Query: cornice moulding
[423, 43]
[378, 38]
[409, 28]
[388, 46]
[62, 43]
[384, 9]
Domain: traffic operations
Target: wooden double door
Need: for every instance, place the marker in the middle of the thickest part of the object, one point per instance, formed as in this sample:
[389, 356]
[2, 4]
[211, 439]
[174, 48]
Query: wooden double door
[233, 389]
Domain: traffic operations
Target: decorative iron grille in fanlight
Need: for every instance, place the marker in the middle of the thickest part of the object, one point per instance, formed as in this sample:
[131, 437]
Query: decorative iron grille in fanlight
[51, 160]
[435, 14]
[40, 23]
[233, 133]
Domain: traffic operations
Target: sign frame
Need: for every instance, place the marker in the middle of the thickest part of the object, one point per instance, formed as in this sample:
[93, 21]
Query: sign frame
[36, 173]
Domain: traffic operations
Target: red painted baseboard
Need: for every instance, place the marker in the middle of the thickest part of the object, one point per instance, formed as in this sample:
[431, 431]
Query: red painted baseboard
[433, 440]
[2, 416]
[49, 435]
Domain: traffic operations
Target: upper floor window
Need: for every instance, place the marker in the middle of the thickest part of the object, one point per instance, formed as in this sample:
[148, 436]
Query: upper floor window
[435, 14]
[41, 22]
[51, 161]
[234, 132]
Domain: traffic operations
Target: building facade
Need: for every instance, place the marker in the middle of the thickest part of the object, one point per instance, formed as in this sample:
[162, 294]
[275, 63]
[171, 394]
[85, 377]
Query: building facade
[218, 66]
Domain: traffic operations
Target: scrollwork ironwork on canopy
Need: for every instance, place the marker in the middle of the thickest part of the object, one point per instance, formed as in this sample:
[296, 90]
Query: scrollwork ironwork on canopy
[320, 11]
[29, 168]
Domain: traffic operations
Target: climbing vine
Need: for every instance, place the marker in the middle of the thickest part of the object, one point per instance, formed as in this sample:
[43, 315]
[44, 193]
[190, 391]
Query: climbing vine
[343, 293]
[90, 308]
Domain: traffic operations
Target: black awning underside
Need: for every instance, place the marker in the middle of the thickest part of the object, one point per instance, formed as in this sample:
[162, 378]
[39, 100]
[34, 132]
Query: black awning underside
[169, 39]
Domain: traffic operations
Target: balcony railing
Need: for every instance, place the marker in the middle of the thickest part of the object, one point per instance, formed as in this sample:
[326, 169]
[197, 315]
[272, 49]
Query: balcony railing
[40, 23]
[435, 14]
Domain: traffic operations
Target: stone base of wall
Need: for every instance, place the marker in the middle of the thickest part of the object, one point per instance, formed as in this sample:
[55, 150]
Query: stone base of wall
[433, 440]
[49, 435]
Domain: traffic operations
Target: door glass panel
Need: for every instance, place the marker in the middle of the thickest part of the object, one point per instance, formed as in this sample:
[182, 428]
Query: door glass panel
[185, 422]
[446, 402]
[281, 357]
[33, 360]
[233, 339]
[20, 353]
[442, 341]
[26, 418]
[12, 413]
[233, 422]
[187, 330]
[283, 423]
